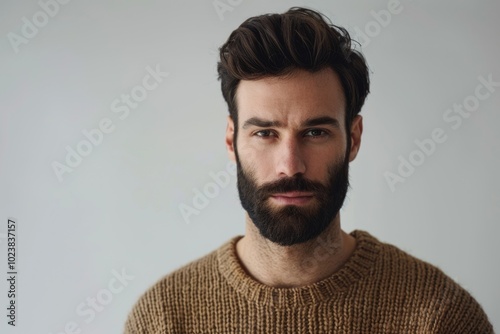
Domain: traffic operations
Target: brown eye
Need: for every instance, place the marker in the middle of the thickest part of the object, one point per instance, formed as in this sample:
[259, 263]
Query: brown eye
[315, 133]
[263, 133]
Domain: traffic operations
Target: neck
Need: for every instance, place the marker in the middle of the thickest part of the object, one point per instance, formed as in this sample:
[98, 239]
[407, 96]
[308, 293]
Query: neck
[297, 265]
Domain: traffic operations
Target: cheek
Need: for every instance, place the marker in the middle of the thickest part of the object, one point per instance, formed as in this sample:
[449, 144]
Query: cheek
[319, 161]
[260, 162]
[317, 167]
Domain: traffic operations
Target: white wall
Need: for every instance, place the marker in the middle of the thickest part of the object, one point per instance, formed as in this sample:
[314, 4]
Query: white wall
[119, 208]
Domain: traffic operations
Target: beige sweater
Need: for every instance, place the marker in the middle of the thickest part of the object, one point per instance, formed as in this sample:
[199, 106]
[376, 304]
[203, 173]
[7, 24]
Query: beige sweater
[380, 289]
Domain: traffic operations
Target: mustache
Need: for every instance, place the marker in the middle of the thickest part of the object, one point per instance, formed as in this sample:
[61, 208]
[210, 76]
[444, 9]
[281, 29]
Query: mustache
[296, 183]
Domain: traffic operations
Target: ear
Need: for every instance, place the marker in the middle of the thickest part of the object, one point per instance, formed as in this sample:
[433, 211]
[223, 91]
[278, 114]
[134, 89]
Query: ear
[356, 131]
[230, 138]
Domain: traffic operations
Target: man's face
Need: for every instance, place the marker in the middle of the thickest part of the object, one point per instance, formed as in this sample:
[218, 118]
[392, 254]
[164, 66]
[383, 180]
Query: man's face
[292, 153]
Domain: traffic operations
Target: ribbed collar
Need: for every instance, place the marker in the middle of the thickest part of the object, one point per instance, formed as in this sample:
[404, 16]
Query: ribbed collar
[356, 267]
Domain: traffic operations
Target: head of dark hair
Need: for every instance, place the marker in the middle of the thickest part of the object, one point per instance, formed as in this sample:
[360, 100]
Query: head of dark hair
[277, 44]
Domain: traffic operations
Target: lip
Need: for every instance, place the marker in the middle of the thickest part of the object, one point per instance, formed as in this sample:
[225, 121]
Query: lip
[293, 197]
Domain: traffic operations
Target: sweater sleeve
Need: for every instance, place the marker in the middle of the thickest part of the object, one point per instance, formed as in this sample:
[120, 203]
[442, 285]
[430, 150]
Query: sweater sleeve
[139, 319]
[149, 315]
[133, 323]
[461, 313]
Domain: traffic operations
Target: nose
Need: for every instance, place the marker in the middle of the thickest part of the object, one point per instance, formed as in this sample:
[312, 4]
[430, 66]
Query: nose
[290, 158]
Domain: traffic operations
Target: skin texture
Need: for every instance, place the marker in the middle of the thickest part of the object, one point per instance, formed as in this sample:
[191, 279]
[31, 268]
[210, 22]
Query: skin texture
[286, 148]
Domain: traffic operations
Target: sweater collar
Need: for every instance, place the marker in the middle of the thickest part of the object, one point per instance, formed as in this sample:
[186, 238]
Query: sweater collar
[356, 267]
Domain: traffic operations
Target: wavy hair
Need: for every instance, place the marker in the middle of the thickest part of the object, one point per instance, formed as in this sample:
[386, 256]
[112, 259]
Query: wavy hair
[277, 44]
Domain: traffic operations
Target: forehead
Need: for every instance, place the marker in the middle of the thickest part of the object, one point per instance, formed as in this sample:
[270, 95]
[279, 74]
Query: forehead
[292, 99]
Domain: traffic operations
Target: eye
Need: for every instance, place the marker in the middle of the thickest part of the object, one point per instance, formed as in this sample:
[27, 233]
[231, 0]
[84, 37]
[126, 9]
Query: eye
[263, 133]
[316, 133]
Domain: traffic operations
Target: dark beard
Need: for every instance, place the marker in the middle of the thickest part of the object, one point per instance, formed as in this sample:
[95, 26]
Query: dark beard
[292, 224]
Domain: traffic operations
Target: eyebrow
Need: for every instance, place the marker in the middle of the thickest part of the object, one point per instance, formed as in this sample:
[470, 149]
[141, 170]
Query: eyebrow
[259, 122]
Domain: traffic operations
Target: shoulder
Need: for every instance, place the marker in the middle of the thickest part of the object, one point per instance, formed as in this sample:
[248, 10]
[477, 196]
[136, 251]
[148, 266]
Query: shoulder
[161, 304]
[391, 260]
[421, 287]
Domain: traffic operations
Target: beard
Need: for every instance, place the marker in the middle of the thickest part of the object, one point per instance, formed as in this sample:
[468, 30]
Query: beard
[289, 225]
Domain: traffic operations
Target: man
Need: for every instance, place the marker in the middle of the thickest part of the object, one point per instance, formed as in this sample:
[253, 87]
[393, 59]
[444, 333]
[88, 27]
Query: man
[294, 88]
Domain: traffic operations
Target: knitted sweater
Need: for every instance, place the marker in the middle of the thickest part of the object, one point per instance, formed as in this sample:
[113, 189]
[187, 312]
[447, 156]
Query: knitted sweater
[380, 289]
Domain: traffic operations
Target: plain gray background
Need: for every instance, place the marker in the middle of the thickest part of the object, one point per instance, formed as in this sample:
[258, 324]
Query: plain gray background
[120, 208]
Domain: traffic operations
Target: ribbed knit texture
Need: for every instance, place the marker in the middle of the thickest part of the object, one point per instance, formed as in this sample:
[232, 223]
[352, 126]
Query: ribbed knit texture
[380, 289]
